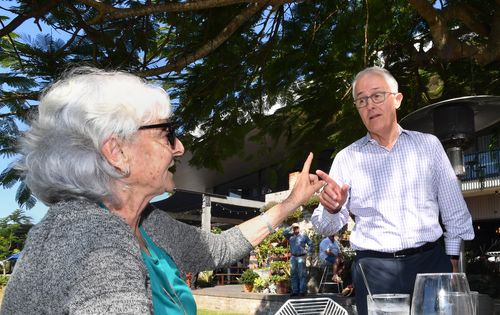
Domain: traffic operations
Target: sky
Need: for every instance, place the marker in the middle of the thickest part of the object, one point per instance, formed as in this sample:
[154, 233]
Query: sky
[7, 196]
[8, 200]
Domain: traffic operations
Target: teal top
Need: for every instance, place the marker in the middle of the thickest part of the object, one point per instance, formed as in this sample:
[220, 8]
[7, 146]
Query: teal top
[171, 295]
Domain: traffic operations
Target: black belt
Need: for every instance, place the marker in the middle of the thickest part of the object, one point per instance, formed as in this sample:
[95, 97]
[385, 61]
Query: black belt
[399, 254]
[299, 255]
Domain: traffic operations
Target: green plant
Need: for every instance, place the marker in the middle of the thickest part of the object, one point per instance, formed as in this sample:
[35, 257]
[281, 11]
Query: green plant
[296, 216]
[216, 230]
[260, 284]
[205, 279]
[311, 204]
[273, 245]
[248, 277]
[280, 267]
[277, 278]
[3, 281]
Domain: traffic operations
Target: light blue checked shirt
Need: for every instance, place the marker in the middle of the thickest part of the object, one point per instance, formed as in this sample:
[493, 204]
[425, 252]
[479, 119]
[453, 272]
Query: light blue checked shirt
[398, 195]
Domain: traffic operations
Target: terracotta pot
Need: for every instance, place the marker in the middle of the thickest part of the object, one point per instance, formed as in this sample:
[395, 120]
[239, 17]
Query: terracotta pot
[248, 287]
[282, 287]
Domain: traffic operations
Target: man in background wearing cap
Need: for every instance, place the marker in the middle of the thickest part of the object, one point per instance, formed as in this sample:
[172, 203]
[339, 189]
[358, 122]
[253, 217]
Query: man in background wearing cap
[298, 242]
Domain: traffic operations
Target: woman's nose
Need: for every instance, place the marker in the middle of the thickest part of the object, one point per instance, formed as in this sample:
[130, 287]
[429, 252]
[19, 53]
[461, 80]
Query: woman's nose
[179, 147]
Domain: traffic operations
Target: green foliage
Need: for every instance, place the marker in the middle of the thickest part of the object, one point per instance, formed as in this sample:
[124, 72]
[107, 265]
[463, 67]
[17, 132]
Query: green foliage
[216, 230]
[301, 55]
[296, 216]
[280, 267]
[273, 245]
[13, 232]
[3, 281]
[274, 278]
[205, 279]
[311, 204]
[260, 284]
[248, 277]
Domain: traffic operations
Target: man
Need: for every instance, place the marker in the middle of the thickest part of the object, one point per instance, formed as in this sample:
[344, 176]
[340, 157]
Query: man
[329, 254]
[298, 242]
[398, 184]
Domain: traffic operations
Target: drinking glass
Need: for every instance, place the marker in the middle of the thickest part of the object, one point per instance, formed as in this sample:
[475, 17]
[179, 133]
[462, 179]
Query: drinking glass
[441, 293]
[385, 304]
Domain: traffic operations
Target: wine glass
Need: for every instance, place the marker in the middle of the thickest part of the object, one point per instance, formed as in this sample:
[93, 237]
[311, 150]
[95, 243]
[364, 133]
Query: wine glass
[441, 293]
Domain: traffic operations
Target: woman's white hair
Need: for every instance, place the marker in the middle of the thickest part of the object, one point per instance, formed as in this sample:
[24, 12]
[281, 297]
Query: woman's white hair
[61, 154]
[391, 81]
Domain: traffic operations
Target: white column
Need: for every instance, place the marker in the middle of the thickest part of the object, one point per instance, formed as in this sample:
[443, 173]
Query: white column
[206, 213]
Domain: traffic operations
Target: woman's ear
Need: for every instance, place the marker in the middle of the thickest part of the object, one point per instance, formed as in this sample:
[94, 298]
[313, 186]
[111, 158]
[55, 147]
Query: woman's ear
[113, 152]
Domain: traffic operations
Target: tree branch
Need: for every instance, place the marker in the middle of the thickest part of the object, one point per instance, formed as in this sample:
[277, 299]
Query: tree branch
[21, 18]
[108, 12]
[211, 45]
[449, 47]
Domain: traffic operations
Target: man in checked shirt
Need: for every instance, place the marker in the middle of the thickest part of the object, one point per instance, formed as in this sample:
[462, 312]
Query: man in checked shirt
[398, 184]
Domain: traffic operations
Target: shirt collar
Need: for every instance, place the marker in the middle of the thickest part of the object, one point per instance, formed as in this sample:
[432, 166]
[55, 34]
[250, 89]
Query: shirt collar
[368, 138]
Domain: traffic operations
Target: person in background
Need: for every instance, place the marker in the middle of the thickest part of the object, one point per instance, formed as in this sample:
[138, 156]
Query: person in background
[298, 243]
[99, 150]
[399, 185]
[330, 254]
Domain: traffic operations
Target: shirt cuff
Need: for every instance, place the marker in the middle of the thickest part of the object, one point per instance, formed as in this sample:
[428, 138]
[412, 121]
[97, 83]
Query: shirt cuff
[452, 246]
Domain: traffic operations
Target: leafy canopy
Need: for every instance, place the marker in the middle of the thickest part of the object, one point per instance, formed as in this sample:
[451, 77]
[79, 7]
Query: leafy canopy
[281, 68]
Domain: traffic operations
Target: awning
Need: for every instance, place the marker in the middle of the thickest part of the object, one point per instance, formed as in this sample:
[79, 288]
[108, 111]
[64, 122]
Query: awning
[233, 210]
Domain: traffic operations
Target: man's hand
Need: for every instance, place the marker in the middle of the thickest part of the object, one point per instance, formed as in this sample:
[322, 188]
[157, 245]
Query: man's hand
[332, 196]
[454, 264]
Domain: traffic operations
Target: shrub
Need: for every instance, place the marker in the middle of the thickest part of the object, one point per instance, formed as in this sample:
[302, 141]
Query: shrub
[3, 281]
[311, 204]
[248, 277]
[205, 279]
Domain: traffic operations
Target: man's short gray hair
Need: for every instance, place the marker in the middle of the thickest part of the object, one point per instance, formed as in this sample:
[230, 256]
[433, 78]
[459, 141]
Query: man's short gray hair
[393, 84]
[61, 154]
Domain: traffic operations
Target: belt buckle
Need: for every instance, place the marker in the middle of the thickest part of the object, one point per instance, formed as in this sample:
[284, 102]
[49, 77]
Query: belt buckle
[396, 255]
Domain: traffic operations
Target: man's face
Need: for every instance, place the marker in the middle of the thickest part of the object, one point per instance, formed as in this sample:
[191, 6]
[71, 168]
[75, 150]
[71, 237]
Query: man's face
[379, 119]
[295, 230]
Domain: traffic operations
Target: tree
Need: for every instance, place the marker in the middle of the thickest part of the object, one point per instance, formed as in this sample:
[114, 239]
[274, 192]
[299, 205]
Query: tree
[227, 63]
[13, 232]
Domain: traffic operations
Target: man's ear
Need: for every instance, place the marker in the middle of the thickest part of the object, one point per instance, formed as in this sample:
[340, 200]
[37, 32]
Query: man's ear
[113, 152]
[399, 99]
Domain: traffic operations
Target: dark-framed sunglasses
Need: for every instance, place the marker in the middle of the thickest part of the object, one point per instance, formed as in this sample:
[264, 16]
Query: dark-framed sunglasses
[169, 128]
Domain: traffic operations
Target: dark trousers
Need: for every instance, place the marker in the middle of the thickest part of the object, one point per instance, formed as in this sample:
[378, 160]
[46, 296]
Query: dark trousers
[395, 275]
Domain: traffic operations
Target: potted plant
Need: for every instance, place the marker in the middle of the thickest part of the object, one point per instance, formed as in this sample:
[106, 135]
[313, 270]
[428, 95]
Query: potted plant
[247, 278]
[280, 275]
[281, 282]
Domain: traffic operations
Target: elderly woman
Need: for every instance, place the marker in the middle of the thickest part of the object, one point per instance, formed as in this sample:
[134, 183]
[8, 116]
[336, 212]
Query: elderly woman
[98, 152]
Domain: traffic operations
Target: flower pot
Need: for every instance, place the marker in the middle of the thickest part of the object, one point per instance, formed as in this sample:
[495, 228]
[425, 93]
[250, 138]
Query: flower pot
[282, 287]
[248, 287]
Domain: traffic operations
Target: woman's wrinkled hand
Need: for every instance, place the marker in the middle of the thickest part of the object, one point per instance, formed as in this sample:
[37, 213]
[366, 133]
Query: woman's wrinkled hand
[305, 186]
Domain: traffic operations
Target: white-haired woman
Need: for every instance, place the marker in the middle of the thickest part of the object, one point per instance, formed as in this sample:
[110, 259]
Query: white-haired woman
[98, 152]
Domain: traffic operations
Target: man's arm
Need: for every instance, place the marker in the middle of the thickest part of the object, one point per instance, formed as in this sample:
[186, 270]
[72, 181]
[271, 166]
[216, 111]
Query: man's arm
[453, 210]
[332, 214]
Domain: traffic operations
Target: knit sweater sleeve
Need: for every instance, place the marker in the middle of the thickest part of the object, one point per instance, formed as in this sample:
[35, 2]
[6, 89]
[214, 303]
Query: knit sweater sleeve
[193, 249]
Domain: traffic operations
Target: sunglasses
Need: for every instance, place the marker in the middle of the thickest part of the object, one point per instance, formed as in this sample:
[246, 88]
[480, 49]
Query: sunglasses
[168, 127]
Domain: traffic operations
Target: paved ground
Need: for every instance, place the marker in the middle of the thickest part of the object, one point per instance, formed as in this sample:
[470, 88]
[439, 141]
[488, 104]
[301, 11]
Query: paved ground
[232, 298]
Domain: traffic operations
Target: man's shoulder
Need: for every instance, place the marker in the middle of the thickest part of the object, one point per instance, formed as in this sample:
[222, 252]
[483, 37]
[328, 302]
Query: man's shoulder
[421, 136]
[355, 146]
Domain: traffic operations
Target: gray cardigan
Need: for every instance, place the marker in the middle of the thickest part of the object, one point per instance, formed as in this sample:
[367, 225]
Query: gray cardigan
[82, 259]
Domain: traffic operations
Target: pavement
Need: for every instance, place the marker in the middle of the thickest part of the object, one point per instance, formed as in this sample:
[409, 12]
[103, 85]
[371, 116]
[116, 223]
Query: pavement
[255, 303]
